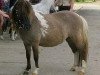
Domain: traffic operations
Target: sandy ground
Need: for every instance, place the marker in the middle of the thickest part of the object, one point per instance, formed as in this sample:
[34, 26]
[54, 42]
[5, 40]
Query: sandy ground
[56, 60]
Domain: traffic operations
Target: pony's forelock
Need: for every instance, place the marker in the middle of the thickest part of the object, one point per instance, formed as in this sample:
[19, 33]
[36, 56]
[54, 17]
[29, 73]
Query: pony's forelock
[20, 13]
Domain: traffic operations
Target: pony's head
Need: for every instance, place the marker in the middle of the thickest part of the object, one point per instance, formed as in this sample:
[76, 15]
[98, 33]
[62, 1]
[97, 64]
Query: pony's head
[20, 14]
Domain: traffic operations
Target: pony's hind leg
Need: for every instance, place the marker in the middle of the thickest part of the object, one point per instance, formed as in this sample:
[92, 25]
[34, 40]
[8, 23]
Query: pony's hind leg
[79, 46]
[76, 53]
[36, 57]
[83, 60]
[76, 60]
[28, 56]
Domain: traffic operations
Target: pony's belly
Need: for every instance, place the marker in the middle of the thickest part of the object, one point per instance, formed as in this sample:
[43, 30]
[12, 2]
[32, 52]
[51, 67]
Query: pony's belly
[51, 41]
[53, 37]
[49, 44]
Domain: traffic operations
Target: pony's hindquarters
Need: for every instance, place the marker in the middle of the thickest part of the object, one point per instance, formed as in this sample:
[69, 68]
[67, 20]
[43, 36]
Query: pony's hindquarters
[85, 38]
[79, 45]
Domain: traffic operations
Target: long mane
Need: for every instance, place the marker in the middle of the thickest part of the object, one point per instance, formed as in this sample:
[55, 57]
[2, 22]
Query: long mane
[20, 14]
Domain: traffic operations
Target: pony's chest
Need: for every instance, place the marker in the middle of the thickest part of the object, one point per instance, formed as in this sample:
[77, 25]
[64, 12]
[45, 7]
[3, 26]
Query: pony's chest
[29, 36]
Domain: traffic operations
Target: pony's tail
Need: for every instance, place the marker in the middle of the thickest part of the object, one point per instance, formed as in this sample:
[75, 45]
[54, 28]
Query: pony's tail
[84, 52]
[85, 26]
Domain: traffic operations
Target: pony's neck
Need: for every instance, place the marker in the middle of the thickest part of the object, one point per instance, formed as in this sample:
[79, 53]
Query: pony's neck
[33, 18]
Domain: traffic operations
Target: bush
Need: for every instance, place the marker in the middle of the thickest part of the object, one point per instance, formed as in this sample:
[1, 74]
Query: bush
[85, 0]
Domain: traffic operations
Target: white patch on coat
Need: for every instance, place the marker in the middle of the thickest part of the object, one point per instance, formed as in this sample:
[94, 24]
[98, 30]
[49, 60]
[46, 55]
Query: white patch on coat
[41, 19]
[44, 25]
[43, 31]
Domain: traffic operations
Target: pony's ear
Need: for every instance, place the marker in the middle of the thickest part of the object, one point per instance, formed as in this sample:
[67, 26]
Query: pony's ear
[34, 1]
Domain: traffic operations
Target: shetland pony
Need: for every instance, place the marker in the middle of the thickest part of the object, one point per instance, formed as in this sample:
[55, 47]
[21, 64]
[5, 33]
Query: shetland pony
[49, 30]
[42, 6]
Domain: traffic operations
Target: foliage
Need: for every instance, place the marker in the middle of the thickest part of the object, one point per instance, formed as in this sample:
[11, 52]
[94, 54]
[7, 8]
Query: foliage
[85, 0]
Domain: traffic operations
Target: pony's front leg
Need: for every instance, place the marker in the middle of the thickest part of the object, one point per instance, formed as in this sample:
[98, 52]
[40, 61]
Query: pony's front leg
[13, 32]
[13, 35]
[28, 56]
[36, 57]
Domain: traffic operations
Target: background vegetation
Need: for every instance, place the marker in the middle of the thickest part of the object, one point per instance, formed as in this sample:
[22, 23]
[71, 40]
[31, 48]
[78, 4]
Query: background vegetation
[85, 0]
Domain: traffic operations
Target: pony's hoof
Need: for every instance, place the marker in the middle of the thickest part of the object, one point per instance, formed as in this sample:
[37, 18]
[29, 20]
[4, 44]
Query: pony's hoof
[72, 69]
[26, 73]
[1, 37]
[16, 36]
[13, 39]
[34, 74]
[81, 73]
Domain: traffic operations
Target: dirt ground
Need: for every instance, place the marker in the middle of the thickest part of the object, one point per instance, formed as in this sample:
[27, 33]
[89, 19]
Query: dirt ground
[56, 60]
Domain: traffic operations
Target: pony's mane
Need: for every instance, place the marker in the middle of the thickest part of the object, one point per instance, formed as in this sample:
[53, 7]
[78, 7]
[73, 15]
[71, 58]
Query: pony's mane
[20, 14]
